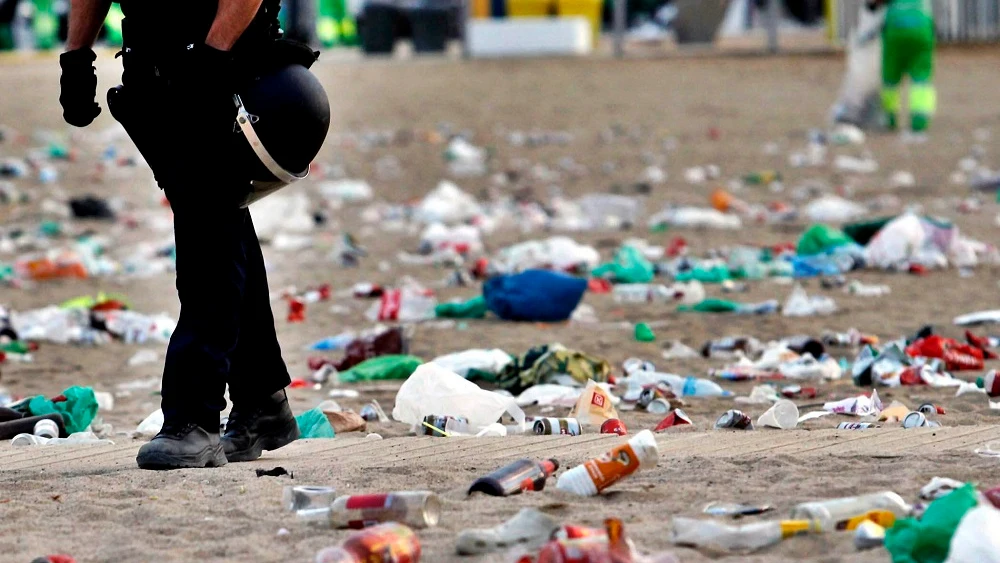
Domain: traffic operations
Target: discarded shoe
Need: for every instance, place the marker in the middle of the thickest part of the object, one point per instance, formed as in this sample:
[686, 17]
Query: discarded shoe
[529, 528]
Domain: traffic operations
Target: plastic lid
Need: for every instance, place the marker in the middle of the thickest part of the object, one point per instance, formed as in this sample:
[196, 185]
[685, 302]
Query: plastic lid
[644, 446]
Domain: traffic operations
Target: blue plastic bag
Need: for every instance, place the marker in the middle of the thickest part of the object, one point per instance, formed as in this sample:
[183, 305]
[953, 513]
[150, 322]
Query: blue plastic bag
[534, 295]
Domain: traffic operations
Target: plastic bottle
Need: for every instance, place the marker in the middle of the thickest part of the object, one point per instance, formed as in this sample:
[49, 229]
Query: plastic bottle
[522, 475]
[297, 497]
[419, 509]
[837, 510]
[600, 473]
[385, 543]
[641, 293]
[338, 342]
[727, 348]
[863, 290]
[749, 537]
[402, 305]
[46, 428]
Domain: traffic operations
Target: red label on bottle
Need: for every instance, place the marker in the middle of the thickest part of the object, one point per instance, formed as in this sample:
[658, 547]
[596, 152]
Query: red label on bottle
[389, 305]
[360, 502]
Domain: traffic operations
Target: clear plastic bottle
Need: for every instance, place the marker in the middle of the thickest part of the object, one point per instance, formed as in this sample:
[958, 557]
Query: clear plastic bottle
[297, 497]
[833, 511]
[385, 543]
[419, 509]
[641, 293]
[597, 474]
[749, 537]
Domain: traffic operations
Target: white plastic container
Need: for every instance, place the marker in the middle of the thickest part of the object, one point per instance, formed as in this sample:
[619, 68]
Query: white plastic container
[592, 477]
[837, 510]
[46, 428]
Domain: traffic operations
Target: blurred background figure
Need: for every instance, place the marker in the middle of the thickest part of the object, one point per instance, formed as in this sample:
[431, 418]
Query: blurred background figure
[908, 50]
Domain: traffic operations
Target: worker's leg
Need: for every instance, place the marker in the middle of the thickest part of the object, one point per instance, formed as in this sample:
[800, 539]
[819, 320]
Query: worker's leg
[893, 63]
[923, 97]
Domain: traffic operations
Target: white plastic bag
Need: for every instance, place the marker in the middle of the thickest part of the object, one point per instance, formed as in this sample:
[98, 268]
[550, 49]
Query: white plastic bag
[834, 209]
[433, 389]
[859, 101]
[492, 361]
[977, 538]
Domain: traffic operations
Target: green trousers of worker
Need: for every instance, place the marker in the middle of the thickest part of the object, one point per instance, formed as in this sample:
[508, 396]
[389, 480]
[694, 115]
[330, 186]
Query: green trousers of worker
[909, 51]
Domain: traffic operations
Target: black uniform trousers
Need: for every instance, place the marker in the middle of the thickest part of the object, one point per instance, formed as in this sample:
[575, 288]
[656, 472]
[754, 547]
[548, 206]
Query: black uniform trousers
[225, 333]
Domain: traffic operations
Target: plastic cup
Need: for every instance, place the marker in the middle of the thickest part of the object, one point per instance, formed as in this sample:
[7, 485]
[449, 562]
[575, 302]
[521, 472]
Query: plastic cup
[783, 415]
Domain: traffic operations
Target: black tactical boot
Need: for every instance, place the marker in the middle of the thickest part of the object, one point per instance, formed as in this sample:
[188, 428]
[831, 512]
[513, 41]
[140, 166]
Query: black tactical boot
[254, 428]
[181, 445]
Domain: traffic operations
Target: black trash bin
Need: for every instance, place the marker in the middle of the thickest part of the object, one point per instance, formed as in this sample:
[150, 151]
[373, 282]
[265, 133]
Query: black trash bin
[377, 28]
[430, 26]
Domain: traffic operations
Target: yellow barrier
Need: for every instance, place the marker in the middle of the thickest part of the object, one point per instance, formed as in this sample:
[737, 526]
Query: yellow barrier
[529, 8]
[590, 9]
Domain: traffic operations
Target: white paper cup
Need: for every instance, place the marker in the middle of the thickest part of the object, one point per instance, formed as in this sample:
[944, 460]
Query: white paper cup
[783, 415]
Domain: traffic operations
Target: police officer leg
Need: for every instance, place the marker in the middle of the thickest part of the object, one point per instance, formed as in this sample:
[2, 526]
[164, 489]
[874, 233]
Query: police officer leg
[261, 418]
[211, 279]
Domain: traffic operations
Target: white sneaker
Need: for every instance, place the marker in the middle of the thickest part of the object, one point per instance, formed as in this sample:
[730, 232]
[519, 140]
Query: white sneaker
[529, 529]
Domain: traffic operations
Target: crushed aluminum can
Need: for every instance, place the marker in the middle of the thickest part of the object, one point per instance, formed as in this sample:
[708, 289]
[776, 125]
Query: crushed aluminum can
[658, 406]
[930, 408]
[798, 392]
[868, 535]
[737, 420]
[917, 419]
[856, 425]
[549, 426]
[435, 425]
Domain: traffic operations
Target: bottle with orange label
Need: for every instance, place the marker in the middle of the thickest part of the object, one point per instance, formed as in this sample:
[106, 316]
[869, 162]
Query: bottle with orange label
[385, 543]
[600, 473]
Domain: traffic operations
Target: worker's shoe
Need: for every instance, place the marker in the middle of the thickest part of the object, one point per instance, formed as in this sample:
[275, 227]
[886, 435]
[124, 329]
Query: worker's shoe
[266, 426]
[180, 445]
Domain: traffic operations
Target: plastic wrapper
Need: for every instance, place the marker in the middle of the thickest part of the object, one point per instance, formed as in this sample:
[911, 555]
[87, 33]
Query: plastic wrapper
[435, 390]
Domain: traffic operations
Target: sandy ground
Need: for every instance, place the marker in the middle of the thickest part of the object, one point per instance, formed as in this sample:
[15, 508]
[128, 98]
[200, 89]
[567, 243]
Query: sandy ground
[93, 502]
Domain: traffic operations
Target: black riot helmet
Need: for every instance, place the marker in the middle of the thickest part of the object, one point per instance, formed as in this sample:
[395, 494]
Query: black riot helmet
[284, 117]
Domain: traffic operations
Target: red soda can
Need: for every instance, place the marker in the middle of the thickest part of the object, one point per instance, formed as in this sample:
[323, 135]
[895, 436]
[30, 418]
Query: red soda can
[735, 419]
[614, 426]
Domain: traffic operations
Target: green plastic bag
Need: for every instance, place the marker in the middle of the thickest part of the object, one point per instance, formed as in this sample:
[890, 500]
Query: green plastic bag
[78, 410]
[819, 239]
[314, 424]
[393, 366]
[927, 540]
[643, 333]
[629, 266]
[711, 306]
[474, 308]
[715, 274]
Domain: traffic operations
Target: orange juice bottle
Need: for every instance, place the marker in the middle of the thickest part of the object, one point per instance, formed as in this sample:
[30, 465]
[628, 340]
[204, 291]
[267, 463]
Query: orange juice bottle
[600, 473]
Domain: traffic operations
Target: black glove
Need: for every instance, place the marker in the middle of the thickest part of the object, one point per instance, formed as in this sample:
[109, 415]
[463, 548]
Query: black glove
[78, 87]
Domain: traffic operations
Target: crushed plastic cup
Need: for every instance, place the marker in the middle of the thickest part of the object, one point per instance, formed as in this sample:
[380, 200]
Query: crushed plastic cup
[783, 415]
